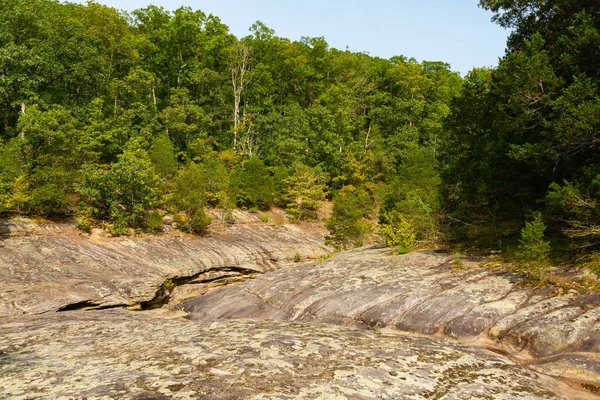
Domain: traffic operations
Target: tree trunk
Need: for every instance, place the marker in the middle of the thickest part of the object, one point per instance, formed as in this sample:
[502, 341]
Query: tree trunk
[22, 113]
[240, 58]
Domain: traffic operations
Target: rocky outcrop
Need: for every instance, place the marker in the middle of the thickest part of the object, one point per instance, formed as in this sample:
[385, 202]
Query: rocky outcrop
[50, 267]
[410, 326]
[422, 293]
[117, 354]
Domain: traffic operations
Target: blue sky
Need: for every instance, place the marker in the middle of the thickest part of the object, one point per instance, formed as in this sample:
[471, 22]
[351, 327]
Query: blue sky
[457, 32]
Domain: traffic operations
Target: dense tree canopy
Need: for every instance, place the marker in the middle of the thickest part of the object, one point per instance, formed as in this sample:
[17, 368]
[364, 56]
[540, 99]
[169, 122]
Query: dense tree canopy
[113, 117]
[524, 136]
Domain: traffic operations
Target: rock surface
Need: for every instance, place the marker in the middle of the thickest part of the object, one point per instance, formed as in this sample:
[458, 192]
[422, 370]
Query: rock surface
[265, 337]
[48, 267]
[114, 354]
[422, 293]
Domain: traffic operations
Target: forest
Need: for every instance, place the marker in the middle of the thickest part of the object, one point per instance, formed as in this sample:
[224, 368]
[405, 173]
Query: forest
[117, 118]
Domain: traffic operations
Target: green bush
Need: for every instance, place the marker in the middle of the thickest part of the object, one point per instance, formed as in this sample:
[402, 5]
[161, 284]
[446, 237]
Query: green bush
[399, 234]
[197, 223]
[251, 185]
[533, 250]
[265, 217]
[163, 157]
[304, 190]
[122, 194]
[350, 223]
[84, 224]
[154, 221]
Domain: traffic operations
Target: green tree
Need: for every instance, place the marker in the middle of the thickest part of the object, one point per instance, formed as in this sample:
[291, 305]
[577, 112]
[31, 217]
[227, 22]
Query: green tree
[533, 249]
[251, 185]
[50, 137]
[14, 186]
[305, 189]
[413, 194]
[190, 191]
[163, 157]
[399, 234]
[184, 121]
[123, 194]
[352, 221]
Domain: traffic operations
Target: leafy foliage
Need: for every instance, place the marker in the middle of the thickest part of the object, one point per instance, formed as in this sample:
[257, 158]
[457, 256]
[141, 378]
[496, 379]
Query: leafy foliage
[305, 189]
[399, 234]
[122, 194]
[351, 222]
[523, 135]
[533, 249]
[251, 185]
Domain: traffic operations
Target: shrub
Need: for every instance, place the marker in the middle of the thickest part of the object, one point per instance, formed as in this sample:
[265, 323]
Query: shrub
[265, 217]
[304, 191]
[533, 250]
[350, 222]
[84, 224]
[154, 221]
[123, 193]
[197, 223]
[400, 234]
[251, 185]
[163, 157]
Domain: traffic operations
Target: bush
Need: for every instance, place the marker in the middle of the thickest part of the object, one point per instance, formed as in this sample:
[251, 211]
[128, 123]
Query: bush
[304, 191]
[252, 185]
[400, 234]
[350, 223]
[533, 250]
[154, 221]
[197, 223]
[163, 157]
[84, 224]
[123, 193]
[265, 217]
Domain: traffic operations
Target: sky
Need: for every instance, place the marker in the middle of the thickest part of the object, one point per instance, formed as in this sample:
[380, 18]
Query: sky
[457, 32]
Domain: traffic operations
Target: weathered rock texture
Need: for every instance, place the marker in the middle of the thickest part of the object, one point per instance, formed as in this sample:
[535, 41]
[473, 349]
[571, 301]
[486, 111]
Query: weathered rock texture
[422, 293]
[223, 354]
[52, 267]
[117, 354]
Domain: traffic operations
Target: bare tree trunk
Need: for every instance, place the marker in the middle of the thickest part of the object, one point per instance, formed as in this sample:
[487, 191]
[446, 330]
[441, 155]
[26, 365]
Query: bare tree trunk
[367, 144]
[22, 113]
[240, 59]
[154, 98]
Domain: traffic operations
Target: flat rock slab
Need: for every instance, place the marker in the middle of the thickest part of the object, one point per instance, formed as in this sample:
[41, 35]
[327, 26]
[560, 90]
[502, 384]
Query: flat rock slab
[422, 293]
[50, 267]
[119, 354]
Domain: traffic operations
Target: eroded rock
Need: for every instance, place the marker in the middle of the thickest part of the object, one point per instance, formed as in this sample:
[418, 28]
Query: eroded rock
[421, 293]
[42, 271]
[125, 355]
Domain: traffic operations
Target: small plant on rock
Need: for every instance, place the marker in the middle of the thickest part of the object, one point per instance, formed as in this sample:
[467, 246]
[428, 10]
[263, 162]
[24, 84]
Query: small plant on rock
[457, 261]
[265, 217]
[154, 221]
[399, 234]
[533, 250]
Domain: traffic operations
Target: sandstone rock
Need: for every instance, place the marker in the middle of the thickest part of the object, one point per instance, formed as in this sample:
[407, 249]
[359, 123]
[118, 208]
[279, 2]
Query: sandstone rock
[419, 292]
[44, 268]
[48, 272]
[168, 219]
[119, 354]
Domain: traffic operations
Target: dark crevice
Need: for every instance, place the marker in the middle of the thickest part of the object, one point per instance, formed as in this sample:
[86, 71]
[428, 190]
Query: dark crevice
[88, 305]
[163, 294]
